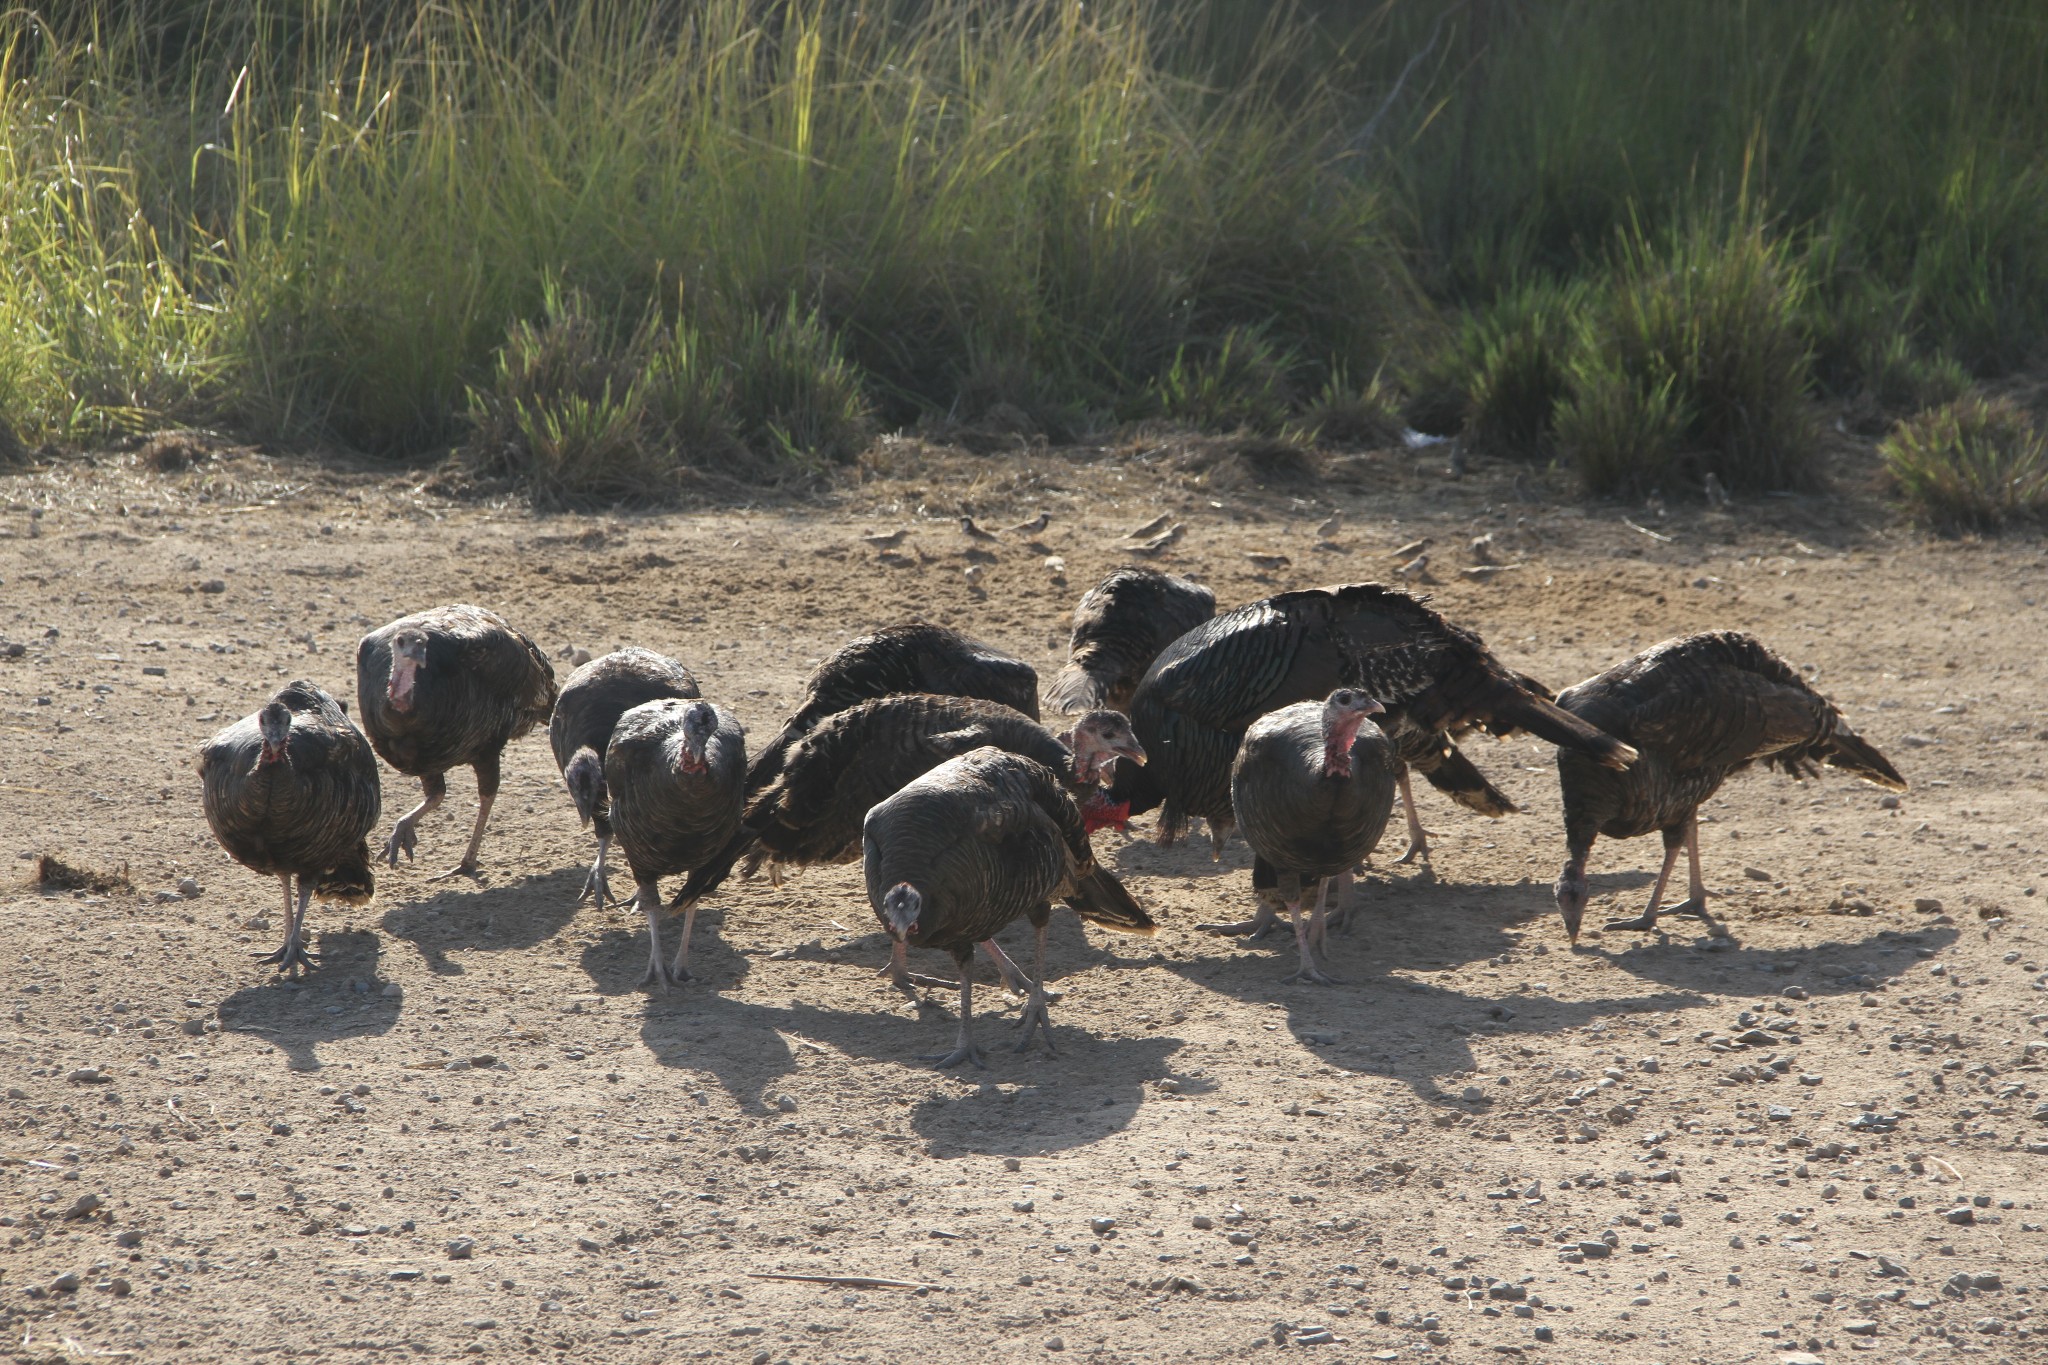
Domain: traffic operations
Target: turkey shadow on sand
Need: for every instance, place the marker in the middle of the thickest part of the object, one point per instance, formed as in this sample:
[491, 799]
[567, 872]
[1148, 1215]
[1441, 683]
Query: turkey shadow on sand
[1834, 967]
[1382, 1020]
[341, 998]
[1024, 1103]
[467, 918]
[616, 961]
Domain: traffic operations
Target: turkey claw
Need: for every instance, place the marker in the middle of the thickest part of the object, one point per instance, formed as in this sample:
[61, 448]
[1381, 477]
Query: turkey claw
[459, 870]
[1256, 927]
[1036, 1019]
[656, 973]
[402, 840]
[292, 960]
[1312, 976]
[1648, 919]
[970, 1053]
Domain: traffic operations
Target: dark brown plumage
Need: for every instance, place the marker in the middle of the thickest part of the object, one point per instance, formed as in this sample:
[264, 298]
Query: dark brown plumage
[1120, 625]
[1436, 681]
[676, 770]
[1698, 709]
[852, 760]
[905, 658]
[443, 688]
[292, 791]
[970, 846]
[591, 703]
[1313, 786]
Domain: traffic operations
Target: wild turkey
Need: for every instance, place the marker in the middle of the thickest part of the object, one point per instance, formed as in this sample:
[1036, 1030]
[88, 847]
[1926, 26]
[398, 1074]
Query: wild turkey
[591, 703]
[1697, 709]
[443, 688]
[292, 791]
[676, 770]
[965, 849]
[1313, 787]
[1436, 681]
[906, 658]
[812, 811]
[1120, 625]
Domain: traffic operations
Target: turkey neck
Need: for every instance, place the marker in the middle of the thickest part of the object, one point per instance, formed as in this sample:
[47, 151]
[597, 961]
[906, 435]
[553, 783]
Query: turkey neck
[1339, 734]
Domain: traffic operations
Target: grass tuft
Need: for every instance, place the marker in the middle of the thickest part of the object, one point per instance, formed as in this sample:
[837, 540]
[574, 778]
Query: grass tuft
[1239, 383]
[1974, 464]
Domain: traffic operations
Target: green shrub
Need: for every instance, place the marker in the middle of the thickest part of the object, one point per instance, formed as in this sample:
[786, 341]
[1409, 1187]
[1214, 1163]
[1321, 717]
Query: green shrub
[1974, 463]
[1712, 311]
[793, 393]
[1346, 413]
[1239, 383]
[1524, 350]
[1901, 380]
[1621, 432]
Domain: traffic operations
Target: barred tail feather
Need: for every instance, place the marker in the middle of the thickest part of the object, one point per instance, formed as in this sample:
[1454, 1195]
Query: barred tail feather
[1101, 899]
[1455, 776]
[1857, 755]
[352, 883]
[1549, 721]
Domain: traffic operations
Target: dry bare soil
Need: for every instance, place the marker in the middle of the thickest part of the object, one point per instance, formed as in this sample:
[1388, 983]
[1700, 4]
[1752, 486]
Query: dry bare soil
[469, 1132]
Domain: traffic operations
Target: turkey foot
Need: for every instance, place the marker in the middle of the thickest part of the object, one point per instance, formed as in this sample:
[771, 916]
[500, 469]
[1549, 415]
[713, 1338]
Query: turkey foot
[459, 870]
[903, 979]
[1688, 909]
[402, 840]
[1306, 933]
[292, 959]
[1418, 837]
[599, 880]
[1037, 1019]
[964, 1049]
[1257, 927]
[467, 867]
[666, 974]
[1014, 980]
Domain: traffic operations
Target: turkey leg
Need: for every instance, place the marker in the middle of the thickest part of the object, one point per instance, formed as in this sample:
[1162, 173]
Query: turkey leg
[486, 794]
[1307, 933]
[1037, 1018]
[648, 897]
[1418, 837]
[1262, 921]
[599, 880]
[291, 958]
[433, 786]
[1694, 906]
[964, 1049]
[1347, 901]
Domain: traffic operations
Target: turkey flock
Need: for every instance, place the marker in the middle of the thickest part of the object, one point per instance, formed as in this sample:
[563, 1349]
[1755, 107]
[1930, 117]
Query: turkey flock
[1293, 720]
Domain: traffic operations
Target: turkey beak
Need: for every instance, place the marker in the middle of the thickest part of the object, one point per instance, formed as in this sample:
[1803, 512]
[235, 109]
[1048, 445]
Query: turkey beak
[690, 757]
[273, 753]
[900, 910]
[1128, 748]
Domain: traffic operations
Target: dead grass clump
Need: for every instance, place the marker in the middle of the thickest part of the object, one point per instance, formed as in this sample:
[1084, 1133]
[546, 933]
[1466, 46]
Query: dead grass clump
[169, 452]
[55, 873]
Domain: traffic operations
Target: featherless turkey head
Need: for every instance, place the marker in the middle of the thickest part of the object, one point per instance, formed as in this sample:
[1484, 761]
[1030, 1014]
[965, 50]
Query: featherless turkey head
[1571, 896]
[275, 723]
[1098, 740]
[700, 722]
[1343, 713]
[901, 905]
[408, 661]
[585, 778]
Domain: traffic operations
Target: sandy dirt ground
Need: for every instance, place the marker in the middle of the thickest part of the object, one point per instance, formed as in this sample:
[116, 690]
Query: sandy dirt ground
[469, 1133]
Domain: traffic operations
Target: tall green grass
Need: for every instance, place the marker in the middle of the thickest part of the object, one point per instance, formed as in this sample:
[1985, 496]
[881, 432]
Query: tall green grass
[341, 225]
[366, 219]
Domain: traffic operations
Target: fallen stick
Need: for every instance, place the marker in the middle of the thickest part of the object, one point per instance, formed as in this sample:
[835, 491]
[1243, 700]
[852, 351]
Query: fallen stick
[844, 1281]
[1654, 535]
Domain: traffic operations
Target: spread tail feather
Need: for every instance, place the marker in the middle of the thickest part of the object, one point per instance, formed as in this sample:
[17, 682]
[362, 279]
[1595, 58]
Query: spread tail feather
[1074, 690]
[352, 883]
[1857, 755]
[1455, 776]
[1548, 720]
[1101, 899]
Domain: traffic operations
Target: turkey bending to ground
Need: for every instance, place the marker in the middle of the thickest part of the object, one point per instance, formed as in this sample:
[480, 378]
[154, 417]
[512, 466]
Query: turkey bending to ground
[812, 812]
[1436, 680]
[1120, 625]
[591, 703]
[443, 688]
[970, 846]
[908, 658]
[292, 791]
[676, 770]
[1697, 709]
[1313, 787]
